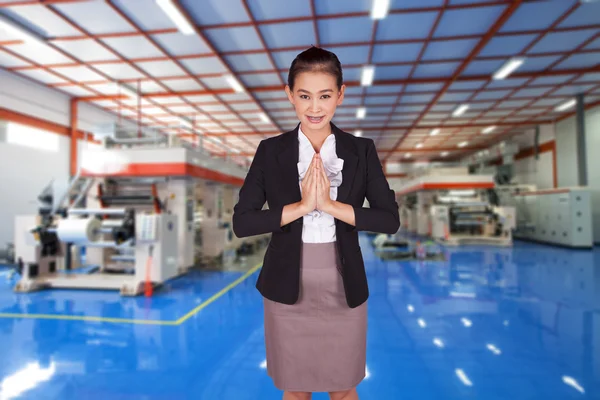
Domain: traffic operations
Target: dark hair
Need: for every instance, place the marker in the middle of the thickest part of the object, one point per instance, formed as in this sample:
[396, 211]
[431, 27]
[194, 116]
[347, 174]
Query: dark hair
[316, 59]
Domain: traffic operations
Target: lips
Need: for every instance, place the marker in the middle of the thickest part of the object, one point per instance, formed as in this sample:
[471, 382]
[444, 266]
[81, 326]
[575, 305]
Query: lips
[315, 120]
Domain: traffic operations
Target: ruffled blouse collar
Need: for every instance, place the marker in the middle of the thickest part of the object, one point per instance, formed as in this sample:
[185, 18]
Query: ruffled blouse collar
[332, 163]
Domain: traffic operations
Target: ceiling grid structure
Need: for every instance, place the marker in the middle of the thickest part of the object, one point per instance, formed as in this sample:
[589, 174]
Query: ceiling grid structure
[428, 58]
[397, 102]
[508, 11]
[523, 52]
[189, 74]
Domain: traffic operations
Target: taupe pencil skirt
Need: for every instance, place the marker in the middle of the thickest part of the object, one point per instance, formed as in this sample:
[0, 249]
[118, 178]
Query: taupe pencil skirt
[319, 343]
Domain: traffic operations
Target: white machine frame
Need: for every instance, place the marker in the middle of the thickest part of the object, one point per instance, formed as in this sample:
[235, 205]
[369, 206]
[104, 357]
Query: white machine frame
[431, 218]
[162, 244]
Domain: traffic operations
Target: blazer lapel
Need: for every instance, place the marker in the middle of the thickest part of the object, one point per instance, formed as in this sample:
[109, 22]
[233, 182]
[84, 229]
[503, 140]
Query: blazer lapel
[288, 163]
[345, 150]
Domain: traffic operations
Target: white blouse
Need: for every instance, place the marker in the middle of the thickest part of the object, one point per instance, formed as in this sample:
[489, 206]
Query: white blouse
[318, 226]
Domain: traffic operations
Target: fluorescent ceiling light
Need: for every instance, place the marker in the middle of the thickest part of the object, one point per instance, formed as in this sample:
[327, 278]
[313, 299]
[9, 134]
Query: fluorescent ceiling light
[234, 83]
[176, 16]
[487, 130]
[380, 9]
[408, 155]
[566, 106]
[444, 153]
[438, 342]
[368, 74]
[434, 132]
[422, 323]
[18, 32]
[460, 110]
[361, 113]
[358, 133]
[264, 118]
[463, 144]
[466, 322]
[508, 68]
[419, 145]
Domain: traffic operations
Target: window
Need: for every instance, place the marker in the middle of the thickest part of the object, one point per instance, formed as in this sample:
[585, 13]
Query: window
[24, 135]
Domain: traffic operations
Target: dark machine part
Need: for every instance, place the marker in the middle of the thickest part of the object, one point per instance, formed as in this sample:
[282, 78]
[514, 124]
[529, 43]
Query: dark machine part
[50, 245]
[469, 219]
[126, 231]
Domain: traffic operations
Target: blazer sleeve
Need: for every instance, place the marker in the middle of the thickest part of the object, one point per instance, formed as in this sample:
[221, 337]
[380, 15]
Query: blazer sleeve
[249, 218]
[383, 215]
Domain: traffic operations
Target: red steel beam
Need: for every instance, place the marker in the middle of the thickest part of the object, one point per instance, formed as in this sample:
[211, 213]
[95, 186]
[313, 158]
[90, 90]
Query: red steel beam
[413, 81]
[284, 70]
[331, 45]
[506, 14]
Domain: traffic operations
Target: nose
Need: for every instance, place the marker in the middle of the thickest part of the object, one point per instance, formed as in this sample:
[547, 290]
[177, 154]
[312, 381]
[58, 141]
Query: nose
[314, 105]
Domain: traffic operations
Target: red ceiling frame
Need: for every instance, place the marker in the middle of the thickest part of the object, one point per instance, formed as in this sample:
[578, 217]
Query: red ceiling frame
[186, 70]
[108, 48]
[413, 69]
[523, 53]
[269, 55]
[211, 46]
[506, 14]
[548, 94]
[314, 18]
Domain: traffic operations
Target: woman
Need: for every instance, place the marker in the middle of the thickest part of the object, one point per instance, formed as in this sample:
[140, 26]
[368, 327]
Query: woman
[315, 180]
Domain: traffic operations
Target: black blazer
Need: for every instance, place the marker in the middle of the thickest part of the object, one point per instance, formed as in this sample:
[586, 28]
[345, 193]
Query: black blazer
[273, 177]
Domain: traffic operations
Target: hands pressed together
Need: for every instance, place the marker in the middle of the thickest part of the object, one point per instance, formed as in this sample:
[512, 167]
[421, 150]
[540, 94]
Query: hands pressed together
[315, 187]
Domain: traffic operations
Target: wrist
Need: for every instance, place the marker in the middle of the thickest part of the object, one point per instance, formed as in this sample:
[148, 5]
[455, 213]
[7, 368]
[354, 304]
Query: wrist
[304, 208]
[328, 206]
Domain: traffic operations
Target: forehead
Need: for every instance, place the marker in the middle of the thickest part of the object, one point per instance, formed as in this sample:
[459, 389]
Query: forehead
[315, 81]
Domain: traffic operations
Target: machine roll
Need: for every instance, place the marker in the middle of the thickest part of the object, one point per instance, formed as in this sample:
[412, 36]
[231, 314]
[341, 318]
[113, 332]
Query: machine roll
[79, 231]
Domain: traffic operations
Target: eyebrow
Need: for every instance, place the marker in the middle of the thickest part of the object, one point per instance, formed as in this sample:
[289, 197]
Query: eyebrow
[322, 91]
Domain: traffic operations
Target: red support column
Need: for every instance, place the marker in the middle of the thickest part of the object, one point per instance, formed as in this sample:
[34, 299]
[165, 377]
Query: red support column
[73, 133]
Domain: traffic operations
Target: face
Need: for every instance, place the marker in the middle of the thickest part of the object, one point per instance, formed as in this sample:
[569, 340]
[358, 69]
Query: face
[315, 97]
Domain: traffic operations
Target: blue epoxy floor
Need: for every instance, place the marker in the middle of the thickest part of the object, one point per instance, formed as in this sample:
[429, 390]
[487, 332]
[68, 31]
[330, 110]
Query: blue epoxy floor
[518, 323]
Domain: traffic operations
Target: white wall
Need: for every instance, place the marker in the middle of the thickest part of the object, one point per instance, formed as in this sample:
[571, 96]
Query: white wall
[536, 172]
[25, 172]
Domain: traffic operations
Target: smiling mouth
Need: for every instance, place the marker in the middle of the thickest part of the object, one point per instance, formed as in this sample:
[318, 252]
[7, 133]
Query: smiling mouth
[315, 120]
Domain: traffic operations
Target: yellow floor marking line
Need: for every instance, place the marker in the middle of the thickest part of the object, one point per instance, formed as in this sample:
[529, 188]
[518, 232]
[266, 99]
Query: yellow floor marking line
[87, 318]
[179, 321]
[217, 295]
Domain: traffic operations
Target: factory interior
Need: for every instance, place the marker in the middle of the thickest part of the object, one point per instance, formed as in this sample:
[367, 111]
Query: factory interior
[133, 124]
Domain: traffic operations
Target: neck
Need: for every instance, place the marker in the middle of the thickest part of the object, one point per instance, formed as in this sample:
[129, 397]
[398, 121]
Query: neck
[316, 137]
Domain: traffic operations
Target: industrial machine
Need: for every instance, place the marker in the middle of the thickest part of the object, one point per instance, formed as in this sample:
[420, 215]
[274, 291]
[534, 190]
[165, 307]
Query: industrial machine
[455, 208]
[561, 216]
[130, 212]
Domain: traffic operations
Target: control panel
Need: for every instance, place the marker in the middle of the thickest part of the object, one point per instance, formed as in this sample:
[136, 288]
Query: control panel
[147, 228]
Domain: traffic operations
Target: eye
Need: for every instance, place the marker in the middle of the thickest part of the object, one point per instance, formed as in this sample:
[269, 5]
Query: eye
[304, 97]
[325, 96]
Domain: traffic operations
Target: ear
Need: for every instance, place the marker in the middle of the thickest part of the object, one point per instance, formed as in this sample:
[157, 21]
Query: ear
[289, 93]
[341, 96]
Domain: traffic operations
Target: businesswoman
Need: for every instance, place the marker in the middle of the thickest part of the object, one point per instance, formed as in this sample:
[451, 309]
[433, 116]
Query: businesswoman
[315, 180]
